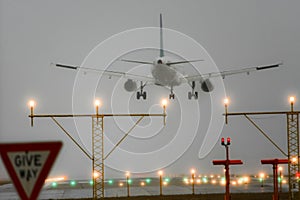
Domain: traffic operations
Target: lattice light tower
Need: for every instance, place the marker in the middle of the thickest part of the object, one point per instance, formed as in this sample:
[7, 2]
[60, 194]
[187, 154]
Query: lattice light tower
[292, 123]
[293, 145]
[97, 156]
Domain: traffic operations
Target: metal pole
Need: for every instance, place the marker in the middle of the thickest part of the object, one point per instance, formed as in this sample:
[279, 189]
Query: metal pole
[160, 185]
[127, 181]
[275, 181]
[226, 111]
[31, 115]
[193, 184]
[280, 183]
[227, 195]
[164, 107]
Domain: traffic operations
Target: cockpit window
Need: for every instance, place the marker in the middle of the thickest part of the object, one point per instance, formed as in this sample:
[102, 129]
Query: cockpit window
[159, 61]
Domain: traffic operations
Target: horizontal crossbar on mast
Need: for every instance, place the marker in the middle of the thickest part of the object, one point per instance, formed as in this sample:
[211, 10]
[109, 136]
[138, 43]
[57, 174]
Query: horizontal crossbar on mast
[262, 113]
[99, 115]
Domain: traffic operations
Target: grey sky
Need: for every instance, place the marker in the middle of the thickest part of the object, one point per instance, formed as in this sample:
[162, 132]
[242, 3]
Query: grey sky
[235, 33]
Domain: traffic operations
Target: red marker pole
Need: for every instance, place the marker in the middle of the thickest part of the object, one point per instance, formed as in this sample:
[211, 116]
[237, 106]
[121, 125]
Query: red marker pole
[226, 163]
[275, 163]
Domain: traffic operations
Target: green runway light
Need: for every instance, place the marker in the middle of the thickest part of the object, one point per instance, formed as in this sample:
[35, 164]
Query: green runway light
[204, 180]
[148, 180]
[260, 179]
[73, 183]
[129, 181]
[167, 180]
[54, 184]
[91, 182]
[279, 179]
[110, 182]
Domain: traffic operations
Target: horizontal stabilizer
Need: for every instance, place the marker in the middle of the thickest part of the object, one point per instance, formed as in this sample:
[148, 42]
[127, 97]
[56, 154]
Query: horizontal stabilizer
[182, 62]
[137, 61]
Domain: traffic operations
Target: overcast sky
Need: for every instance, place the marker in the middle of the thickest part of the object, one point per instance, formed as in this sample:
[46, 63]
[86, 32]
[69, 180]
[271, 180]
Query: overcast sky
[234, 33]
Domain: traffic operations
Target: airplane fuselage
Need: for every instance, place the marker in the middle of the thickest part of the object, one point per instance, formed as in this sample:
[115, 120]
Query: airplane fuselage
[164, 74]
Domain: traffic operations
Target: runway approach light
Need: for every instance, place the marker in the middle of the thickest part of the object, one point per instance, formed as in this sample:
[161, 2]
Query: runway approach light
[160, 172]
[97, 103]
[292, 101]
[192, 171]
[31, 104]
[226, 102]
[164, 102]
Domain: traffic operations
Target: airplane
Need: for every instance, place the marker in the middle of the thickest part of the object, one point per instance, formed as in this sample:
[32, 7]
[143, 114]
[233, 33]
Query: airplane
[166, 73]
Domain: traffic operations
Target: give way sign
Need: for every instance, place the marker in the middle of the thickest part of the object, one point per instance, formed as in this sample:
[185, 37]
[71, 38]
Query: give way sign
[28, 165]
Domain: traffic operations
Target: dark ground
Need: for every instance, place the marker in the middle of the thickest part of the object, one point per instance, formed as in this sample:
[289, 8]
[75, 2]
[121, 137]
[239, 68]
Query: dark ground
[244, 196]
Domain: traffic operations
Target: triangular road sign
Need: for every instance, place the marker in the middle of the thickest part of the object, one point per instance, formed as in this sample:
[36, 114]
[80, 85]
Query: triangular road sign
[28, 165]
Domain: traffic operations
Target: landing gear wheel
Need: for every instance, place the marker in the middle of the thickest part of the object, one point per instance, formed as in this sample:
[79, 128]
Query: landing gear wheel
[189, 95]
[172, 96]
[138, 95]
[144, 95]
[141, 94]
[196, 95]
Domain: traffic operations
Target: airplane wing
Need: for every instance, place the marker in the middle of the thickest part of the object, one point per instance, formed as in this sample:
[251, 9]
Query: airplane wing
[108, 73]
[223, 74]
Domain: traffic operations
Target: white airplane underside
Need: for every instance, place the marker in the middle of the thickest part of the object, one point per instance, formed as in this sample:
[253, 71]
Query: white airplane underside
[164, 73]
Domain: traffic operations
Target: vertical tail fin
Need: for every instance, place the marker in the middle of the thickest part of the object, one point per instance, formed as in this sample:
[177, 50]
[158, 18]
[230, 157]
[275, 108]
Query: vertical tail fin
[161, 52]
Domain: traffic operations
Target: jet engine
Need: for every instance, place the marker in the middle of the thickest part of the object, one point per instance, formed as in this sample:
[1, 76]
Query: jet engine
[207, 86]
[130, 85]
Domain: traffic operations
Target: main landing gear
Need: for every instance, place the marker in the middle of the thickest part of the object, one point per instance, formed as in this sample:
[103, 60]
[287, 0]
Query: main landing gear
[172, 95]
[193, 93]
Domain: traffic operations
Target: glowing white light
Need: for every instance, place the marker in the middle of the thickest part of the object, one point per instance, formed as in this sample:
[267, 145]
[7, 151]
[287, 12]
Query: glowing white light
[96, 174]
[55, 179]
[164, 102]
[97, 103]
[292, 99]
[160, 172]
[31, 103]
[192, 171]
[226, 101]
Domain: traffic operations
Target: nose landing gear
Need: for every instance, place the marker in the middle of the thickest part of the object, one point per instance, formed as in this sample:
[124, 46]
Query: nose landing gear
[193, 93]
[141, 93]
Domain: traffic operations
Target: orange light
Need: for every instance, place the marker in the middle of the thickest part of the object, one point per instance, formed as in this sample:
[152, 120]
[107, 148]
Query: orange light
[56, 179]
[292, 99]
[31, 103]
[127, 174]
[96, 174]
[164, 102]
[262, 175]
[97, 103]
[192, 171]
[294, 160]
[160, 172]
[226, 101]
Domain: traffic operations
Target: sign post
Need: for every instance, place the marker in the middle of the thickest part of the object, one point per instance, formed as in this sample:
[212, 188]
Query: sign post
[227, 163]
[275, 163]
[28, 165]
